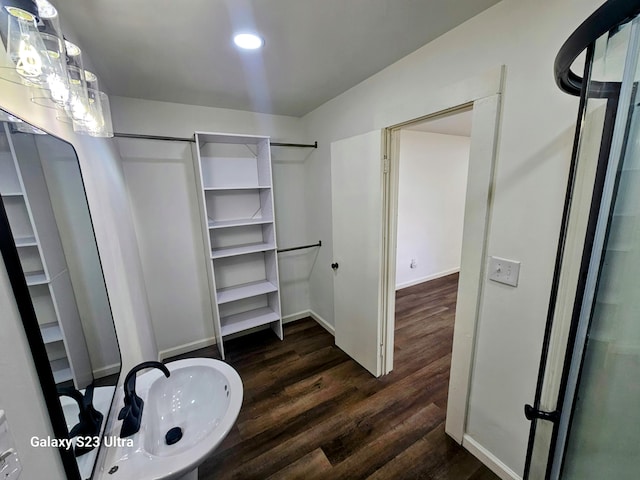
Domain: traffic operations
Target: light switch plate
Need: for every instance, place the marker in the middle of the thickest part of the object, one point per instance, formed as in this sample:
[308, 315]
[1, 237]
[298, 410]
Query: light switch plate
[505, 271]
[10, 467]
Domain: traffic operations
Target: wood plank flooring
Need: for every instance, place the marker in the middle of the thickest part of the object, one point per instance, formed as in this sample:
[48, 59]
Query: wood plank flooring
[310, 412]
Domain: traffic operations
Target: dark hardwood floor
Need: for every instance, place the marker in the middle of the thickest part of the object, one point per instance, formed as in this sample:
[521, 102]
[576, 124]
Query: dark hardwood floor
[310, 412]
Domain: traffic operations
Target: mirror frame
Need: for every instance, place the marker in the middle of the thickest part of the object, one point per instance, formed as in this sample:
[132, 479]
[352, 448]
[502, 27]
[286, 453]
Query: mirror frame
[31, 326]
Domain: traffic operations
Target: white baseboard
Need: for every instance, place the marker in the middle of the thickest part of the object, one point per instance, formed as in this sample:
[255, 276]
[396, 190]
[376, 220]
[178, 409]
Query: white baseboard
[323, 323]
[296, 316]
[428, 278]
[187, 347]
[207, 342]
[106, 371]
[490, 460]
[310, 313]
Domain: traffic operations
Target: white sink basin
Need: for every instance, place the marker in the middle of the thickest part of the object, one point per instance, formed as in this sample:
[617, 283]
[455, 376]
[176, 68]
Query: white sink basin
[202, 397]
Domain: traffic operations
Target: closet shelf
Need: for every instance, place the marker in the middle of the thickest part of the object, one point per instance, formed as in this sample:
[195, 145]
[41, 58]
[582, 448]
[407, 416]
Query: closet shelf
[54, 353]
[237, 187]
[13, 194]
[239, 222]
[26, 241]
[37, 278]
[51, 333]
[241, 250]
[247, 290]
[62, 375]
[244, 321]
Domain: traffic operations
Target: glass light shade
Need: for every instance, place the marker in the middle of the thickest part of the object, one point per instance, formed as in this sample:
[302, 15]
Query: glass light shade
[46, 10]
[91, 79]
[25, 9]
[73, 51]
[107, 124]
[91, 119]
[78, 104]
[57, 81]
[97, 121]
[27, 50]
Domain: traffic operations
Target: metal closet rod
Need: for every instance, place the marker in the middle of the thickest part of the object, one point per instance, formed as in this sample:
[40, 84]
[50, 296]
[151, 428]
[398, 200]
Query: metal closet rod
[154, 137]
[319, 244]
[301, 145]
[192, 140]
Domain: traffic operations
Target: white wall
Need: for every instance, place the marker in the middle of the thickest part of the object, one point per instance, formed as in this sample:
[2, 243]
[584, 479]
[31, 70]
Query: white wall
[162, 191]
[289, 189]
[533, 154]
[431, 196]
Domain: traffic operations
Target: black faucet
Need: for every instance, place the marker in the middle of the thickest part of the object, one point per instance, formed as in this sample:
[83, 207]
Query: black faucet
[131, 413]
[89, 418]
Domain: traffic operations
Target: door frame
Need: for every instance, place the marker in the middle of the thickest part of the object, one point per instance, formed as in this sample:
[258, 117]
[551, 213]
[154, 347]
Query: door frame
[483, 93]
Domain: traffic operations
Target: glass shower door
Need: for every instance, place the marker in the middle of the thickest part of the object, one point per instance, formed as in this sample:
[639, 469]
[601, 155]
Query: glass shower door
[586, 414]
[602, 434]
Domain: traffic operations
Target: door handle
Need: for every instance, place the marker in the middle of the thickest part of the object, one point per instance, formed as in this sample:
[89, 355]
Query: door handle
[335, 266]
[531, 413]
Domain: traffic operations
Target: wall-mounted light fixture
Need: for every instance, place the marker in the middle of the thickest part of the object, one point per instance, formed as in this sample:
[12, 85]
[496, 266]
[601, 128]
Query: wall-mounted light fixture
[46, 61]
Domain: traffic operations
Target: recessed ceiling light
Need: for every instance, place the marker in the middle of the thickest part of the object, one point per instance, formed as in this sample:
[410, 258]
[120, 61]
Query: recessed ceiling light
[248, 41]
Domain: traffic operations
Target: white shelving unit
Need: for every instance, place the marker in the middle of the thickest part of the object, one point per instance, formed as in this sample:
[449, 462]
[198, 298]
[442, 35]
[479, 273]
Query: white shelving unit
[25, 195]
[234, 178]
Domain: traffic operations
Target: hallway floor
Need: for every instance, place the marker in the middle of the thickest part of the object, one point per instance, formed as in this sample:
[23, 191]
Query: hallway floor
[310, 412]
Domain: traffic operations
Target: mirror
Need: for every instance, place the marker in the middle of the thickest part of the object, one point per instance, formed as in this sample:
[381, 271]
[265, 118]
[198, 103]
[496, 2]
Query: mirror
[50, 252]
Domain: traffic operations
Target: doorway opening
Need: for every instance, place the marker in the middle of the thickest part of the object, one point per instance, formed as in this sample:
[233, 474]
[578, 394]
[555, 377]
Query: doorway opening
[460, 297]
[432, 157]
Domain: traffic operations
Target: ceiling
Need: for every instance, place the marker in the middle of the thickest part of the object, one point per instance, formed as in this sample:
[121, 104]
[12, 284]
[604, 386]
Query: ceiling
[457, 123]
[182, 51]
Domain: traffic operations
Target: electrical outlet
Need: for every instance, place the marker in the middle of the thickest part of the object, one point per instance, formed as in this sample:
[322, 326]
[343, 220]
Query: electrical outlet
[504, 271]
[413, 263]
